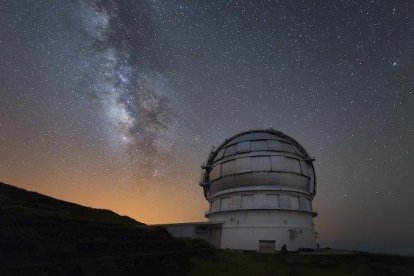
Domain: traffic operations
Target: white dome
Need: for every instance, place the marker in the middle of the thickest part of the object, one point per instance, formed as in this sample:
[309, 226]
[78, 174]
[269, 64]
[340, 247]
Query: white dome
[259, 159]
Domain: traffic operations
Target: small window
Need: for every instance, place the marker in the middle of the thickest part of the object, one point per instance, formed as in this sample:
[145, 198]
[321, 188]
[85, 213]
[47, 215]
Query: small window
[259, 145]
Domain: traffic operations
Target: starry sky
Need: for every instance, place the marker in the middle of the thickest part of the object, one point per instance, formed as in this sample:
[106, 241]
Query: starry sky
[115, 104]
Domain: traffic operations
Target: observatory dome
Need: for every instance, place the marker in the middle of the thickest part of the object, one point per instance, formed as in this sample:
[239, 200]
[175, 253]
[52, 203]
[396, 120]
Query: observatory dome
[258, 158]
[259, 185]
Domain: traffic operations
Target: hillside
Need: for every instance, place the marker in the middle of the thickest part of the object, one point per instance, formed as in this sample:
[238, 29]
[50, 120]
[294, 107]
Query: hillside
[19, 202]
[40, 235]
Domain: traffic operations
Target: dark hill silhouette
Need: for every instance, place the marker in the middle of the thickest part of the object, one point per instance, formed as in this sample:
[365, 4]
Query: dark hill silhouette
[19, 202]
[40, 235]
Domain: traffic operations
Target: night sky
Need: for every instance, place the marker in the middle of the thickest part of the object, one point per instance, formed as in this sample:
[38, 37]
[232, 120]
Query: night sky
[116, 104]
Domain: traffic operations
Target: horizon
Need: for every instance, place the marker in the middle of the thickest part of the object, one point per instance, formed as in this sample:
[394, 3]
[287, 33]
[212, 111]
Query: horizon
[345, 248]
[116, 105]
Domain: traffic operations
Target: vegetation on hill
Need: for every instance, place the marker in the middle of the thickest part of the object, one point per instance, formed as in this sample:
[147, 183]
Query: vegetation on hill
[40, 235]
[19, 202]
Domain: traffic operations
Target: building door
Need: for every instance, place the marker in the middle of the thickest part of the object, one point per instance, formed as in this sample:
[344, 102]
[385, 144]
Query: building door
[267, 246]
[215, 236]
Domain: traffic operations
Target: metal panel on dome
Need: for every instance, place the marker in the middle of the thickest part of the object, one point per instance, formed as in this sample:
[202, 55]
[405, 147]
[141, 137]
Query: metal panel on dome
[220, 154]
[281, 163]
[228, 168]
[297, 151]
[276, 145]
[277, 163]
[243, 147]
[304, 167]
[215, 172]
[258, 145]
[243, 165]
[253, 136]
[312, 179]
[261, 163]
[271, 179]
[230, 150]
[294, 165]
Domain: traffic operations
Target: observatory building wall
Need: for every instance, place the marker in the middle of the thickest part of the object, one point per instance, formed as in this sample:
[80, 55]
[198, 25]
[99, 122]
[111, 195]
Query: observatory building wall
[245, 230]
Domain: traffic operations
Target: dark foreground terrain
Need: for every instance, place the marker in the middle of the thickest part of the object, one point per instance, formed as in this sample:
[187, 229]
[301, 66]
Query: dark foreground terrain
[238, 263]
[40, 235]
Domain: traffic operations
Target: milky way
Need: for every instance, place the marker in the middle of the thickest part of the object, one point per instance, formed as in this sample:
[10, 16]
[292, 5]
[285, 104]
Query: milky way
[134, 97]
[116, 104]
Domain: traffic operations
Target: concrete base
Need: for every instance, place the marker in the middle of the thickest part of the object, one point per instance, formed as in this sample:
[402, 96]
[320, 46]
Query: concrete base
[247, 229]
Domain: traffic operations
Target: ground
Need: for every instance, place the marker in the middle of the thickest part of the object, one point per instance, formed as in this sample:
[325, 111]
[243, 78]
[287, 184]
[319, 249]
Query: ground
[249, 263]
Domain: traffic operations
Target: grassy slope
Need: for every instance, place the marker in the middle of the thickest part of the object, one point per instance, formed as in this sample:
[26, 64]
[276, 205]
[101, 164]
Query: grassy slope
[19, 202]
[40, 235]
[236, 263]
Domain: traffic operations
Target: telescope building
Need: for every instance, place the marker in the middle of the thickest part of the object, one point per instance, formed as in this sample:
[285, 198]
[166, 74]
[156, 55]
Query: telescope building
[260, 185]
